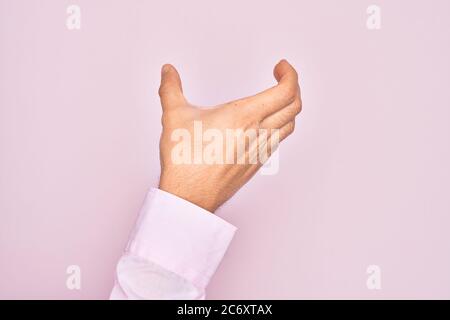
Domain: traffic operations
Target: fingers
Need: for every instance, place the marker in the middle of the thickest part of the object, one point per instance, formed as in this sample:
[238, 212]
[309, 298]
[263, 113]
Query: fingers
[276, 98]
[170, 90]
[283, 116]
[286, 130]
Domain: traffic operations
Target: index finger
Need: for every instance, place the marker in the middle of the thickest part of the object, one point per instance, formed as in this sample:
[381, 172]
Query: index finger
[276, 98]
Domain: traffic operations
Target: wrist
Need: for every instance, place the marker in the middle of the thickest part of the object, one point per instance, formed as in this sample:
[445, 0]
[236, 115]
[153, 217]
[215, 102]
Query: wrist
[188, 193]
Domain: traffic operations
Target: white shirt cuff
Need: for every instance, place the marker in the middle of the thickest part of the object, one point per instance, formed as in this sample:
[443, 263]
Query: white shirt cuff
[180, 237]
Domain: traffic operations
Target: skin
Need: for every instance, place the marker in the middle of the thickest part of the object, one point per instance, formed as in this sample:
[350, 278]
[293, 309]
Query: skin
[210, 185]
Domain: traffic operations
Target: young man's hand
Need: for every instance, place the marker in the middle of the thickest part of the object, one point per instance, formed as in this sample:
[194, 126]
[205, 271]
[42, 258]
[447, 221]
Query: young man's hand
[210, 185]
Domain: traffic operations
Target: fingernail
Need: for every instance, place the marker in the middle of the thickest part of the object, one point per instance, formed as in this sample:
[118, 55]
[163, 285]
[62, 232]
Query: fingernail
[165, 68]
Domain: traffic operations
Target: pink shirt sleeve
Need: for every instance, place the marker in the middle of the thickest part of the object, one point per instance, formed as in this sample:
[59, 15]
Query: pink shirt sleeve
[173, 251]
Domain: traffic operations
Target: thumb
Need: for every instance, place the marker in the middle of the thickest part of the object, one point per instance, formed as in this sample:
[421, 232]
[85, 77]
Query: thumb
[170, 91]
[285, 72]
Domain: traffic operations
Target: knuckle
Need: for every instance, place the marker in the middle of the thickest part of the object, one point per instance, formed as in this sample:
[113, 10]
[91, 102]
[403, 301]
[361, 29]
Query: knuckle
[294, 109]
[161, 90]
[164, 89]
[164, 120]
[291, 127]
[167, 119]
[288, 91]
[295, 73]
[298, 106]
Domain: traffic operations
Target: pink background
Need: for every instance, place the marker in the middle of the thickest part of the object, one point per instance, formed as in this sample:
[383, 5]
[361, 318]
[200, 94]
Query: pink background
[364, 180]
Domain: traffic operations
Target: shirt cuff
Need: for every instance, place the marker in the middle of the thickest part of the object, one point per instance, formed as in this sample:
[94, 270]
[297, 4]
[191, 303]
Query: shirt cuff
[180, 237]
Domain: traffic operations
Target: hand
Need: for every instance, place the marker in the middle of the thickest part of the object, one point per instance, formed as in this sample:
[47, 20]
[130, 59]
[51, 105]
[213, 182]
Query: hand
[207, 184]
